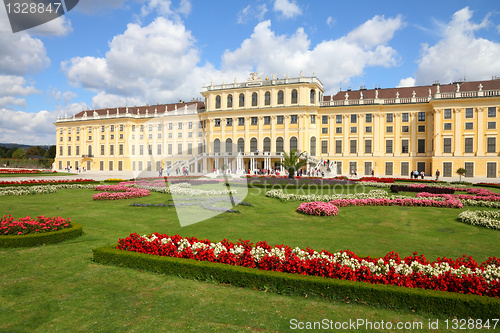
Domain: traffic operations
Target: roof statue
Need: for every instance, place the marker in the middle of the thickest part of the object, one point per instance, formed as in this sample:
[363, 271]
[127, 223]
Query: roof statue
[254, 76]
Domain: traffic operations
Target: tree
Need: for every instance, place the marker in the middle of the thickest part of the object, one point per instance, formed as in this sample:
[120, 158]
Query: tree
[461, 172]
[19, 153]
[51, 152]
[35, 151]
[293, 162]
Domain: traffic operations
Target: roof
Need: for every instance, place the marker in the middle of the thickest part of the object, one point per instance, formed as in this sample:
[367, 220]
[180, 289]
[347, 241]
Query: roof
[150, 109]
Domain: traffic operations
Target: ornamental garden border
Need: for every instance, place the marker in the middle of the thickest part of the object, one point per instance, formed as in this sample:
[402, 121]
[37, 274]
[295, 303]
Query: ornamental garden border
[388, 296]
[35, 239]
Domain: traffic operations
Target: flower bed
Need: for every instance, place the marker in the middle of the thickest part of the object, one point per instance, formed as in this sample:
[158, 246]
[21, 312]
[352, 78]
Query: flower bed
[122, 192]
[449, 202]
[205, 203]
[318, 208]
[484, 218]
[48, 181]
[40, 189]
[16, 171]
[463, 275]
[27, 225]
[461, 196]
[324, 197]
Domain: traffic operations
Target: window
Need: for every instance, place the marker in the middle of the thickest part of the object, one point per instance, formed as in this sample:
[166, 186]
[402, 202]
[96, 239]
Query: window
[421, 166]
[61, 131]
[353, 166]
[229, 121]
[179, 149]
[491, 169]
[170, 149]
[338, 119]
[254, 99]
[324, 120]
[242, 100]
[405, 129]
[469, 126]
[217, 102]
[405, 168]
[200, 148]
[200, 134]
[338, 146]
[368, 146]
[280, 97]
[170, 126]
[190, 149]
[368, 117]
[169, 135]
[368, 168]
[179, 135]
[253, 121]
[447, 145]
[111, 149]
[141, 150]
[77, 150]
[469, 167]
[267, 145]
[102, 128]
[469, 113]
[102, 150]
[313, 146]
[354, 129]
[312, 96]
[61, 138]
[293, 119]
[492, 112]
[190, 126]
[241, 145]
[102, 137]
[405, 117]
[324, 130]
[388, 168]
[279, 120]
[121, 127]
[389, 118]
[421, 146]
[447, 126]
[90, 130]
[404, 146]
[421, 128]
[447, 113]
[158, 149]
[294, 96]
[293, 143]
[253, 145]
[313, 119]
[159, 136]
[111, 128]
[421, 116]
[388, 147]
[241, 121]
[353, 146]
[216, 122]
[60, 150]
[338, 130]
[324, 147]
[101, 165]
[492, 145]
[469, 145]
[279, 145]
[388, 129]
[267, 98]
[69, 150]
[267, 120]
[150, 149]
[120, 165]
[368, 129]
[133, 149]
[120, 149]
[354, 118]
[447, 169]
[150, 136]
[229, 101]
[339, 167]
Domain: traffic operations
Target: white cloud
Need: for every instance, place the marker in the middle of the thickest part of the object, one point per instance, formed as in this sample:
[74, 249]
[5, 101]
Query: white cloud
[407, 82]
[330, 21]
[377, 31]
[243, 15]
[459, 53]
[250, 12]
[59, 27]
[184, 7]
[286, 8]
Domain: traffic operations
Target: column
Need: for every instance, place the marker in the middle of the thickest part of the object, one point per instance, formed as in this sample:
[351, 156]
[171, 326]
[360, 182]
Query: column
[273, 135]
[458, 132]
[345, 150]
[260, 139]
[437, 133]
[377, 131]
[247, 134]
[413, 132]
[361, 144]
[480, 134]
[396, 145]
[331, 129]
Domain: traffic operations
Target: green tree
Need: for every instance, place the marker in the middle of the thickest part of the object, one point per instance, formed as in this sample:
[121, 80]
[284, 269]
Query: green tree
[35, 151]
[19, 153]
[461, 172]
[293, 162]
[51, 152]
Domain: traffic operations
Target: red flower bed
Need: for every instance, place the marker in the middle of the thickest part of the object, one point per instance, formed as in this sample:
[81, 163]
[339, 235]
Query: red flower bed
[119, 192]
[318, 208]
[9, 171]
[463, 275]
[47, 181]
[27, 225]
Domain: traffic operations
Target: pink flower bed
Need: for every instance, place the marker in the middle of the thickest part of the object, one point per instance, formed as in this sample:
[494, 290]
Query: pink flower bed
[449, 202]
[318, 208]
[119, 192]
[14, 171]
[459, 196]
[27, 225]
[47, 181]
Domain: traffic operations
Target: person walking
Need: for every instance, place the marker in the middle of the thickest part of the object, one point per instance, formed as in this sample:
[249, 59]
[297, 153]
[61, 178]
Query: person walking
[437, 174]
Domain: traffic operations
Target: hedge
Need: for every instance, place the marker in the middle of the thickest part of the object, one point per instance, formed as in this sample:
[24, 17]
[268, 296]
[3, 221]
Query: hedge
[428, 189]
[41, 238]
[419, 300]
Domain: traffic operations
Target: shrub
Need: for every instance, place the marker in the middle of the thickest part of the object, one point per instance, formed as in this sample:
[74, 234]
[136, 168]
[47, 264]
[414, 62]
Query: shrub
[40, 239]
[428, 189]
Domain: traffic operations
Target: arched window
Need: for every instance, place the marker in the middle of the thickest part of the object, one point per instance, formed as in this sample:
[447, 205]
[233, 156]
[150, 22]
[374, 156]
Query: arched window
[312, 96]
[253, 145]
[313, 146]
[267, 98]
[267, 145]
[293, 143]
[280, 97]
[254, 99]
[229, 146]
[242, 100]
[279, 145]
[294, 96]
[229, 101]
[216, 146]
[217, 102]
[241, 145]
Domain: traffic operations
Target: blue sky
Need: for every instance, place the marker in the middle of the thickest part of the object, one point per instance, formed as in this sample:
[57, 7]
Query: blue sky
[132, 52]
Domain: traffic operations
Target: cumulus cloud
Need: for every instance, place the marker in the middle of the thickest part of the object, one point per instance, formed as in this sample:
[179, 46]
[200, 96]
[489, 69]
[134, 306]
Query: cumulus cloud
[59, 27]
[287, 9]
[459, 53]
[11, 87]
[408, 82]
[250, 12]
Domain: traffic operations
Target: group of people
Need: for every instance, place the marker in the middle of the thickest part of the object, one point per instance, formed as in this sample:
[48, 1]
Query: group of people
[79, 169]
[416, 173]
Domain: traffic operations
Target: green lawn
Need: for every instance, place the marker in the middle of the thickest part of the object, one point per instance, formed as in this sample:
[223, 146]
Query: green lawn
[58, 287]
[28, 175]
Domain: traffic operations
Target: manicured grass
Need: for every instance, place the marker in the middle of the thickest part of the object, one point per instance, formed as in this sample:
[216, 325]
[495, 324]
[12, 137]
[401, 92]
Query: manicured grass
[58, 288]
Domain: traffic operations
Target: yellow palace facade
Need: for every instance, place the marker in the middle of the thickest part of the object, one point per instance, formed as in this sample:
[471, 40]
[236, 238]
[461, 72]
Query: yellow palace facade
[248, 125]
